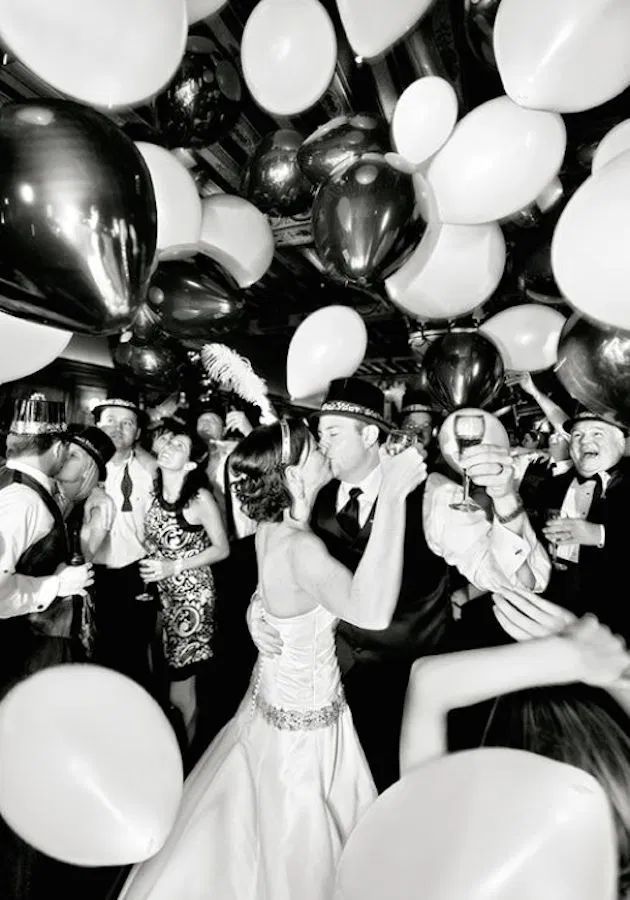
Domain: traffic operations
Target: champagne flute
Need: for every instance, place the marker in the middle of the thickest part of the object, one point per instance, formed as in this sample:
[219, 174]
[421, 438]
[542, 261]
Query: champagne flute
[553, 547]
[144, 596]
[400, 439]
[469, 430]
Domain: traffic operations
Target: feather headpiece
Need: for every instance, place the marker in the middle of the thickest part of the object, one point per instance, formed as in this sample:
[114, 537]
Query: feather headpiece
[232, 372]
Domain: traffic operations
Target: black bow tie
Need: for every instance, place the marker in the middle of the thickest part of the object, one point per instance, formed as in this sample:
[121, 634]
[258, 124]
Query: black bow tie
[584, 479]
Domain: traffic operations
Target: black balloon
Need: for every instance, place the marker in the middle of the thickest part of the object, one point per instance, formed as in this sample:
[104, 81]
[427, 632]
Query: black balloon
[146, 328]
[463, 369]
[536, 279]
[78, 222]
[365, 221]
[157, 365]
[594, 367]
[273, 180]
[340, 142]
[203, 101]
[195, 300]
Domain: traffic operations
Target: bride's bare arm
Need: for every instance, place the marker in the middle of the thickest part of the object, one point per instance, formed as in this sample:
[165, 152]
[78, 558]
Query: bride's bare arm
[369, 598]
[586, 651]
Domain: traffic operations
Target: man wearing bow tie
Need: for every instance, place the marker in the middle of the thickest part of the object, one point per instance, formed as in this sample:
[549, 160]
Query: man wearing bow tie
[588, 539]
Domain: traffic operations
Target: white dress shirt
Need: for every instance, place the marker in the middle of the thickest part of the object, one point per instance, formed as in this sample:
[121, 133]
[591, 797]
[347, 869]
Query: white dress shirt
[124, 544]
[24, 520]
[577, 505]
[486, 553]
[369, 487]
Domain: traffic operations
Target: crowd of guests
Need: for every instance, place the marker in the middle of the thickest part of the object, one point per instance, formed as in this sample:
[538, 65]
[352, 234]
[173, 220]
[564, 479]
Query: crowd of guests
[387, 621]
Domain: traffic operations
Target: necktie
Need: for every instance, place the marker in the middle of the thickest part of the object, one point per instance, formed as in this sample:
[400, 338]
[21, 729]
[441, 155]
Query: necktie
[126, 486]
[348, 515]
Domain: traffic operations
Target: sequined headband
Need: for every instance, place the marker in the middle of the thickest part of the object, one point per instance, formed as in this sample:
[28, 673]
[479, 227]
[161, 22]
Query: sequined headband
[285, 451]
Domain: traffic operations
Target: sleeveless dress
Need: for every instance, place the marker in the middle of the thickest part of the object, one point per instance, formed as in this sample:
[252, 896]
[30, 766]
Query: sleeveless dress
[186, 600]
[268, 808]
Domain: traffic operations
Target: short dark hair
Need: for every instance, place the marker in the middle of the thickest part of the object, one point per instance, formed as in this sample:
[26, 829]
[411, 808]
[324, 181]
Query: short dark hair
[259, 468]
[30, 444]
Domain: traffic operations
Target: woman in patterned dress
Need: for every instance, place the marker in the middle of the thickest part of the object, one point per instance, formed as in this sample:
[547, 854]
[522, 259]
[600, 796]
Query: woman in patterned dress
[184, 536]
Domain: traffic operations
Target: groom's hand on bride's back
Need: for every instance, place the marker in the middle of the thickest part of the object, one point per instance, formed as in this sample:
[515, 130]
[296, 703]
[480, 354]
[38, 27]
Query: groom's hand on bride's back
[265, 637]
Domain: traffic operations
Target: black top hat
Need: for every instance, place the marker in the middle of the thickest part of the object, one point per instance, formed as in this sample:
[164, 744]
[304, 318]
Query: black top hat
[37, 415]
[416, 400]
[586, 416]
[116, 402]
[96, 443]
[355, 399]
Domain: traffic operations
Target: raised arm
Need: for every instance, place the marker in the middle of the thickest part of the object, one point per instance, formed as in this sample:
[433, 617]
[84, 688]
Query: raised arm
[369, 598]
[586, 651]
[553, 413]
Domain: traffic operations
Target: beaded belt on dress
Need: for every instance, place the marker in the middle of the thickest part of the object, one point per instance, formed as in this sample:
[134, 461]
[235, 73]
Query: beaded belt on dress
[302, 720]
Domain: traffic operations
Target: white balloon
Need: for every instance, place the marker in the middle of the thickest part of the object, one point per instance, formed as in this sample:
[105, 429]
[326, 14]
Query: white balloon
[372, 26]
[563, 55]
[453, 269]
[225, 222]
[26, 347]
[589, 250]
[289, 53]
[328, 344]
[424, 118]
[201, 9]
[498, 160]
[177, 201]
[485, 824]
[611, 145]
[527, 336]
[90, 770]
[107, 54]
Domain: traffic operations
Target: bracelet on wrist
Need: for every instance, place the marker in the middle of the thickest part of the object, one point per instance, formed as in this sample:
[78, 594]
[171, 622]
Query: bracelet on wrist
[509, 517]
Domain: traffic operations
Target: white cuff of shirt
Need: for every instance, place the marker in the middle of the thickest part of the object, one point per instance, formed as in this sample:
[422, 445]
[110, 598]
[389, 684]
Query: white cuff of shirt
[602, 537]
[29, 595]
[511, 550]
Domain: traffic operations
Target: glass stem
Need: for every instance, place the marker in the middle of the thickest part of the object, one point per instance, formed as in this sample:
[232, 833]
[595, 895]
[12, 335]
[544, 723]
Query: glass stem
[466, 488]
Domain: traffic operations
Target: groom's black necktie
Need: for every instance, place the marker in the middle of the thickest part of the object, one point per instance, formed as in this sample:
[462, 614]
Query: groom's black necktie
[348, 515]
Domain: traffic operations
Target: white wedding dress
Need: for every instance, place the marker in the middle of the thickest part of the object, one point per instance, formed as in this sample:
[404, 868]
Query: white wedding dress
[269, 806]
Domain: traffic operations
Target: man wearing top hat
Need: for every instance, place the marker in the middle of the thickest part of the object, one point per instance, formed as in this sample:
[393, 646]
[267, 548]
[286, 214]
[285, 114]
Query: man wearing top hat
[124, 624]
[582, 515]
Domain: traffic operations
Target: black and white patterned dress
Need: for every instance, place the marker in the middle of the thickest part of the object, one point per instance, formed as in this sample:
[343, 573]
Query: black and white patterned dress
[187, 600]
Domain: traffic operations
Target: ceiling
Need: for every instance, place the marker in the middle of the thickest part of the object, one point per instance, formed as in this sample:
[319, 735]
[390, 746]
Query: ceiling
[450, 42]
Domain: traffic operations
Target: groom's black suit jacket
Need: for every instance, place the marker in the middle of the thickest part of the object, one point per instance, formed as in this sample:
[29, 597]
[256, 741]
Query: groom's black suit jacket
[423, 608]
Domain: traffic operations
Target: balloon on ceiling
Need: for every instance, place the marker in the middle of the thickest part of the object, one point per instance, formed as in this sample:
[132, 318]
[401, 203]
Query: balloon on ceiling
[273, 180]
[114, 54]
[78, 224]
[589, 251]
[156, 365]
[26, 347]
[372, 26]
[594, 367]
[526, 335]
[339, 142]
[288, 53]
[328, 344]
[424, 118]
[203, 99]
[616, 141]
[365, 220]
[463, 369]
[177, 200]
[91, 769]
[192, 301]
[454, 269]
[490, 824]
[225, 219]
[197, 10]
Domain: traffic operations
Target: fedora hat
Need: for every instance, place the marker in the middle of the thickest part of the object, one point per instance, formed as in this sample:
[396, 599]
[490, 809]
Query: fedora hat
[355, 399]
[96, 444]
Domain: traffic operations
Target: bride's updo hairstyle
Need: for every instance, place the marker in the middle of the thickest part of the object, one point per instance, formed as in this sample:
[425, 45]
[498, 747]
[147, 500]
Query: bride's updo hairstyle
[259, 462]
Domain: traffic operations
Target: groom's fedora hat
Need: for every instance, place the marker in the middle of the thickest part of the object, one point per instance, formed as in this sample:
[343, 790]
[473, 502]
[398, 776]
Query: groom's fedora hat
[355, 399]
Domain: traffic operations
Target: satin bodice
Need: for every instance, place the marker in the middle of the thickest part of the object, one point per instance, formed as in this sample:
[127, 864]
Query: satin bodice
[305, 675]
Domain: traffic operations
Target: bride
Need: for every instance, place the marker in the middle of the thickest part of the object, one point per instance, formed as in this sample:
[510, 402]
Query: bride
[267, 809]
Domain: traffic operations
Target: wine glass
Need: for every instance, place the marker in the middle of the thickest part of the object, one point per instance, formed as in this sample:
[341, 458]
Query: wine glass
[469, 430]
[553, 547]
[400, 439]
[144, 596]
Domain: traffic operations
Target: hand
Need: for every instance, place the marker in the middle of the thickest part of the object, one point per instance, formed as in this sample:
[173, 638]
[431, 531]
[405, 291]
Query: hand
[265, 637]
[156, 569]
[573, 531]
[491, 467]
[238, 421]
[601, 656]
[74, 580]
[403, 472]
[100, 504]
[525, 615]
